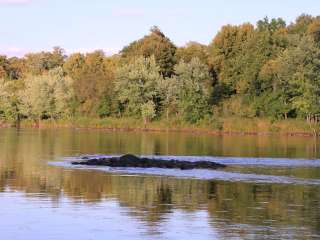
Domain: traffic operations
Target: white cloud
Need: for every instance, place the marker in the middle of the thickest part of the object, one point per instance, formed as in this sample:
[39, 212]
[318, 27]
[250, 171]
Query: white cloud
[15, 2]
[128, 12]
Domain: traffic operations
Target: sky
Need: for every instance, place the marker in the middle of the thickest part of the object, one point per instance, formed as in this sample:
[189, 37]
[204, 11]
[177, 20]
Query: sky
[87, 25]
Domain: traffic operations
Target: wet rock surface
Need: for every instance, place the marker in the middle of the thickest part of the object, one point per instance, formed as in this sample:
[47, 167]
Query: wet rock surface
[134, 161]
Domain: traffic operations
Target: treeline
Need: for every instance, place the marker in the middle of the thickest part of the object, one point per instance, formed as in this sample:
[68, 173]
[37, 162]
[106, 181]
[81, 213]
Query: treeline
[269, 70]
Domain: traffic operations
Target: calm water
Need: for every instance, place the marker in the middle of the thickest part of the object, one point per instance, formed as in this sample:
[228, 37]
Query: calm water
[271, 190]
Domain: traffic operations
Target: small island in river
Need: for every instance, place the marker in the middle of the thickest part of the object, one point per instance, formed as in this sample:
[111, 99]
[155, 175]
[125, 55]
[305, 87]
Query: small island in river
[129, 160]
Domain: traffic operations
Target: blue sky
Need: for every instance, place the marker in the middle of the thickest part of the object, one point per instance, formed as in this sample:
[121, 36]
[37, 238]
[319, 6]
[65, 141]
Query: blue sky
[85, 25]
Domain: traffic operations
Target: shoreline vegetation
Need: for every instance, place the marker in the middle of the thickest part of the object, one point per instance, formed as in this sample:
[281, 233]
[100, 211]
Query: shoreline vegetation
[226, 126]
[261, 78]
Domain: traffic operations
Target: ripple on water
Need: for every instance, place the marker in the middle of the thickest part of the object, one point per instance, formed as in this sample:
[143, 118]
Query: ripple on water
[221, 175]
[239, 161]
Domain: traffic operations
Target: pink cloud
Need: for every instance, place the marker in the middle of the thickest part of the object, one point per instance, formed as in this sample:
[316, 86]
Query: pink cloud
[12, 51]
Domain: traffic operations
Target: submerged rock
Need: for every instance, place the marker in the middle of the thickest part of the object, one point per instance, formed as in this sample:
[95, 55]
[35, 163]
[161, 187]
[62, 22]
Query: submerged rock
[129, 160]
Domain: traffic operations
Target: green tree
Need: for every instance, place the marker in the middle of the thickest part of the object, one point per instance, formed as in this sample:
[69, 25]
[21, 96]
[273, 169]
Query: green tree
[10, 104]
[224, 52]
[63, 93]
[275, 101]
[148, 111]
[305, 79]
[168, 89]
[267, 42]
[136, 87]
[295, 79]
[194, 89]
[48, 95]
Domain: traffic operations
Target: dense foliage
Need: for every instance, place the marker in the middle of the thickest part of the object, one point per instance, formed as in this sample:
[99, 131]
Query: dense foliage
[268, 70]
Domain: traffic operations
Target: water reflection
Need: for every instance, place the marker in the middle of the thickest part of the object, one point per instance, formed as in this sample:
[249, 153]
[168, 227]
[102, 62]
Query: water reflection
[154, 207]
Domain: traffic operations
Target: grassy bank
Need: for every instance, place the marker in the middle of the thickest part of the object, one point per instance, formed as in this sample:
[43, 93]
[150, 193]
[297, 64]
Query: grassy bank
[213, 126]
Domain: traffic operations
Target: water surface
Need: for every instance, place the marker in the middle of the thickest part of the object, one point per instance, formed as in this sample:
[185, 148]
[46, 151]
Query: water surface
[270, 190]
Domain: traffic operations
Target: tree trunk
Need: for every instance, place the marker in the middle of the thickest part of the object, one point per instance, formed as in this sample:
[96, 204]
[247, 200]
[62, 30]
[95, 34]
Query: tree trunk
[145, 121]
[18, 120]
[53, 120]
[38, 122]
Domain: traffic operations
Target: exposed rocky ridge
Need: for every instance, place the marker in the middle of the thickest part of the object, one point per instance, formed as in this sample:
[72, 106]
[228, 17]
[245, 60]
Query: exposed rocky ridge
[134, 161]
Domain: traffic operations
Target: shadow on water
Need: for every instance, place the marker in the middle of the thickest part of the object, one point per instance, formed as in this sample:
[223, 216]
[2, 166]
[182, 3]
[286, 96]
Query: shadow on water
[222, 209]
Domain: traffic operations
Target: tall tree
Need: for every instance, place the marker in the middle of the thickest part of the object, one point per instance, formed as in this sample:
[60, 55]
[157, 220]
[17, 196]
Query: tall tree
[194, 83]
[304, 69]
[225, 48]
[93, 78]
[38, 63]
[276, 99]
[74, 65]
[192, 50]
[155, 44]
[168, 89]
[10, 104]
[48, 95]
[300, 26]
[4, 67]
[267, 42]
[314, 30]
[136, 86]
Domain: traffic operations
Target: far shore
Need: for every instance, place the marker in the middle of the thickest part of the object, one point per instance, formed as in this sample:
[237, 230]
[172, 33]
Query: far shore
[230, 126]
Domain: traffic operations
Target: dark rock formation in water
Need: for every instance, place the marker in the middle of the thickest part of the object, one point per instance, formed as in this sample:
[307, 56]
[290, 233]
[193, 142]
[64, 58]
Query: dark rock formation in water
[134, 161]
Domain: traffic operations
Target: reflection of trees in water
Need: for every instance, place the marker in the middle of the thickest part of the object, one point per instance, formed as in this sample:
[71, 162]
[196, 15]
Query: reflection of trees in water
[92, 142]
[23, 167]
[151, 198]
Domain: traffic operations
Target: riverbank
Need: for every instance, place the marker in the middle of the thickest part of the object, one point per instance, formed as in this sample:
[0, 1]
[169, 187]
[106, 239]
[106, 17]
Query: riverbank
[221, 126]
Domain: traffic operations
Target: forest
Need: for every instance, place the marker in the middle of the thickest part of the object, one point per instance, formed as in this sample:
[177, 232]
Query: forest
[270, 70]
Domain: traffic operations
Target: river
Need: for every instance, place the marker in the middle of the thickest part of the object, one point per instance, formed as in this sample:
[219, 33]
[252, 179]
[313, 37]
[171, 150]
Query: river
[270, 189]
